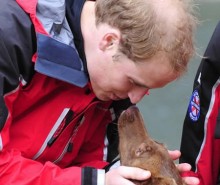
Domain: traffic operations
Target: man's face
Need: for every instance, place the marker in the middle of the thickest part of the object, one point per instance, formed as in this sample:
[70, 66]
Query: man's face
[122, 78]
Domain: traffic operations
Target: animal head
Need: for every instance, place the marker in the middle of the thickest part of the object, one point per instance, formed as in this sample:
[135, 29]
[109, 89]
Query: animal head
[138, 149]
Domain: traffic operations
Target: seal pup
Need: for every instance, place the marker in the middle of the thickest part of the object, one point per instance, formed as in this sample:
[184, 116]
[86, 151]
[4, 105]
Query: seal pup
[138, 149]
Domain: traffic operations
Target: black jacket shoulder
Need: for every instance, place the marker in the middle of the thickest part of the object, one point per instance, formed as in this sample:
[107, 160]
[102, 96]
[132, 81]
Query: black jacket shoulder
[17, 44]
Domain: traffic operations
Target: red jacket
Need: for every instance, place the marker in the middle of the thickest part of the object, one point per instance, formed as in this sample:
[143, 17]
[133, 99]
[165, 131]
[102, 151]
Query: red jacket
[53, 129]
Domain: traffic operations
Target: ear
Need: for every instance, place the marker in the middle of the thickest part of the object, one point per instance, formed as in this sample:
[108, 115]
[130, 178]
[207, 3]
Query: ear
[109, 40]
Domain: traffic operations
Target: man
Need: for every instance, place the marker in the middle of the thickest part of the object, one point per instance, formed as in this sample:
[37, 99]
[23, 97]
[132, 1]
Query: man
[67, 70]
[201, 132]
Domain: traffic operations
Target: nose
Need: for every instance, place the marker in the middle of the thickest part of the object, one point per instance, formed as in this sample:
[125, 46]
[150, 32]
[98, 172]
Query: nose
[137, 94]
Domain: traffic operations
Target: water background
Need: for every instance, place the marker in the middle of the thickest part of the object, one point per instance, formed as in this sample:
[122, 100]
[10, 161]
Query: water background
[164, 109]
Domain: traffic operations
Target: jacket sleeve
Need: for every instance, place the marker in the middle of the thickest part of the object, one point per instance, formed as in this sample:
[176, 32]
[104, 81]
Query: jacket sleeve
[17, 46]
[200, 145]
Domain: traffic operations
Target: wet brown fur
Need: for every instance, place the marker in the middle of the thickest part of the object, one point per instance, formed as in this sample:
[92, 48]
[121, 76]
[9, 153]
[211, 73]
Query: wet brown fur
[137, 149]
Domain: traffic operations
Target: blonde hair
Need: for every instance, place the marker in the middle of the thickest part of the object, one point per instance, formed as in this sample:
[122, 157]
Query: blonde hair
[146, 28]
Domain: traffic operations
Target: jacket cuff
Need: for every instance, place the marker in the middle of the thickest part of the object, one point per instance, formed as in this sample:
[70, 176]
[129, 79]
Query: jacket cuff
[114, 164]
[189, 174]
[93, 176]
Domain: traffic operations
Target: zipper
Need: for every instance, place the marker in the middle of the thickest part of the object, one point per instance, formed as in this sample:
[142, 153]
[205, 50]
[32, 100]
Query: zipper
[75, 130]
[69, 145]
[54, 132]
[67, 119]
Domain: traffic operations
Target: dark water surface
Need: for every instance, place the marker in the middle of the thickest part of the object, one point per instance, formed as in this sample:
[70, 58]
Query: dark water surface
[164, 109]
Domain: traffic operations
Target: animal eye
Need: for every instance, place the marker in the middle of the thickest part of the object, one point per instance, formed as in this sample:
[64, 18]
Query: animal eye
[159, 143]
[143, 148]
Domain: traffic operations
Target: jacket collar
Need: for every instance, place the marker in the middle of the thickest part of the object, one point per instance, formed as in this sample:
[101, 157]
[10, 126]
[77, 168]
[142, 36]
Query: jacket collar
[60, 53]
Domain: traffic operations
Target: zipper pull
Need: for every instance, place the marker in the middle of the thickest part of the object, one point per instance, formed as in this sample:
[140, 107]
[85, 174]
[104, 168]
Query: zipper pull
[70, 147]
[68, 116]
[75, 130]
[51, 141]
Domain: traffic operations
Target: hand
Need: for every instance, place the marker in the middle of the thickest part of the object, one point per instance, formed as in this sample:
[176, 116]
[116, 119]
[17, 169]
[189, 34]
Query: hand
[122, 174]
[184, 167]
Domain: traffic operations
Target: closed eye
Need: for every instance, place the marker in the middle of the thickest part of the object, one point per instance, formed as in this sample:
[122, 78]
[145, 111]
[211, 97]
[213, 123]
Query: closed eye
[135, 83]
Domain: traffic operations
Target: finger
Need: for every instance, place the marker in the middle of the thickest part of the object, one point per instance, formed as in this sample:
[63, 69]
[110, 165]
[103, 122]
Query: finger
[114, 178]
[191, 180]
[174, 154]
[183, 167]
[134, 173]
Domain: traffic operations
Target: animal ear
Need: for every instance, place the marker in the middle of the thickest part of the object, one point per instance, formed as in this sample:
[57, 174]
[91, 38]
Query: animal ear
[142, 148]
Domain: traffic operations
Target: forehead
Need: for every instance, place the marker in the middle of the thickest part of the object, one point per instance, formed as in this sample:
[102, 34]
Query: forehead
[154, 72]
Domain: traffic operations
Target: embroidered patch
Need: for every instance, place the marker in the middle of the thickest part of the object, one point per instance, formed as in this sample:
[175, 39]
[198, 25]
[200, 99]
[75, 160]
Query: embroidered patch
[194, 106]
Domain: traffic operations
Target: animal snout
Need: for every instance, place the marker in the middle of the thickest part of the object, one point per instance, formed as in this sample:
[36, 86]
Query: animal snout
[130, 114]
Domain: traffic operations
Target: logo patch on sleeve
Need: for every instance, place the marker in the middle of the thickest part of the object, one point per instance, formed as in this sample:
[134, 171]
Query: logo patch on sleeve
[194, 106]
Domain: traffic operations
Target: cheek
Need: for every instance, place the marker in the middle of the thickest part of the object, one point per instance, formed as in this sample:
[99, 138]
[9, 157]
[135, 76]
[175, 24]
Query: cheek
[122, 86]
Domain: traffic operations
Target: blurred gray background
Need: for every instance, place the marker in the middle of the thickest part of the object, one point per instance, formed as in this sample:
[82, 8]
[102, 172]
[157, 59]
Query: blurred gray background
[164, 109]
